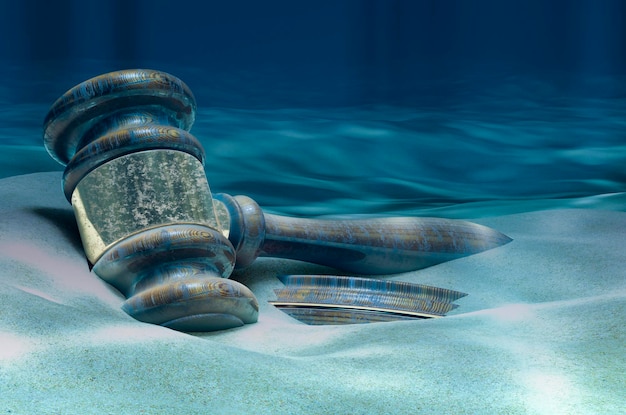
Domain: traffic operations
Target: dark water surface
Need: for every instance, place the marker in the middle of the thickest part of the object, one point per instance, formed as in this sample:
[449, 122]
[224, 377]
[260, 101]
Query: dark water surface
[363, 107]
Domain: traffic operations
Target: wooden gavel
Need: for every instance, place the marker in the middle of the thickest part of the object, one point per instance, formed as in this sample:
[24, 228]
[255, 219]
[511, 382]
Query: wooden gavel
[151, 227]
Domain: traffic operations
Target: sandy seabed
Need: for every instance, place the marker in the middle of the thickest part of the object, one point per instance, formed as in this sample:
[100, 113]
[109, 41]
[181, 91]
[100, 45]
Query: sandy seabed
[541, 332]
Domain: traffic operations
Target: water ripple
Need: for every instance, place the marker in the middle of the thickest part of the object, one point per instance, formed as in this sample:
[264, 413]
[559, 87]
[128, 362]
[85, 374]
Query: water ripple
[522, 140]
[406, 156]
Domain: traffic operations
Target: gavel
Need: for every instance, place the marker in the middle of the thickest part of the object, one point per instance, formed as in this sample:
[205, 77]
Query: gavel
[151, 227]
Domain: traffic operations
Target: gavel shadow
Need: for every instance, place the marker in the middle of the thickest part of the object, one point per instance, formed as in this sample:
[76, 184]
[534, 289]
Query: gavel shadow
[264, 272]
[65, 222]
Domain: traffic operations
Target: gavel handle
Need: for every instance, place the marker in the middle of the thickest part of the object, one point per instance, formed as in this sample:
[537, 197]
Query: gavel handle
[361, 246]
[376, 246]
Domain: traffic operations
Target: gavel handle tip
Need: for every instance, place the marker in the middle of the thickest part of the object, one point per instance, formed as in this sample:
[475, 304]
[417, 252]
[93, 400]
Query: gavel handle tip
[377, 246]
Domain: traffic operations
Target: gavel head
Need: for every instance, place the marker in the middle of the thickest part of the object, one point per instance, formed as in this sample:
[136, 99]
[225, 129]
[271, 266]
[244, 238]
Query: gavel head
[135, 178]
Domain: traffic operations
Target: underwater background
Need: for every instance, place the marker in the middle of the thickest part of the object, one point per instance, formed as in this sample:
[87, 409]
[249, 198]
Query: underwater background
[349, 107]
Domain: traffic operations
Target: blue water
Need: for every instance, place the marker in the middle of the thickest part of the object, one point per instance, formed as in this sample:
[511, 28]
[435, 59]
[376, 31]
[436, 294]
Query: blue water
[316, 108]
